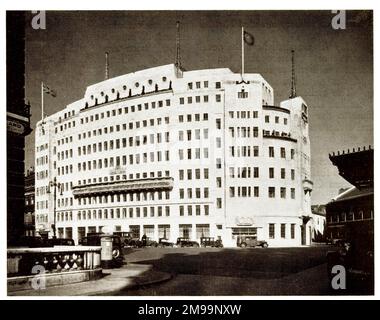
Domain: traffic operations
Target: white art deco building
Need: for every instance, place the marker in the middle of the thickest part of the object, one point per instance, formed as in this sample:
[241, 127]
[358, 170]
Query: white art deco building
[177, 154]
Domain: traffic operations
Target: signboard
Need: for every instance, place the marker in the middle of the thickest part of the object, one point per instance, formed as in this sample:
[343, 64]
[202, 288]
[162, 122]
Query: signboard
[15, 127]
[244, 221]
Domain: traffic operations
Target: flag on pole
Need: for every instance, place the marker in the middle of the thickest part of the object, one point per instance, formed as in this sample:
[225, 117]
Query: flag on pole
[48, 90]
[248, 38]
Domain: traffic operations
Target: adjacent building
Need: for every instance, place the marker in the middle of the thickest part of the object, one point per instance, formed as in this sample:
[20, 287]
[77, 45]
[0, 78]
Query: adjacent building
[18, 124]
[171, 153]
[29, 218]
[350, 215]
[319, 222]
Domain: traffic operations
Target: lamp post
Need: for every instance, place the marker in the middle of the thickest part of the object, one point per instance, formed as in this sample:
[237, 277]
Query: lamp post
[54, 184]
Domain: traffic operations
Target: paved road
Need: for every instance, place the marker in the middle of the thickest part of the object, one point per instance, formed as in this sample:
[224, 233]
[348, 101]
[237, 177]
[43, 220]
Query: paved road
[230, 271]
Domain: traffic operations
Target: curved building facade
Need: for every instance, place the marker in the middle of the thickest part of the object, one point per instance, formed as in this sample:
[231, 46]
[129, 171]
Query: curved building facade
[177, 154]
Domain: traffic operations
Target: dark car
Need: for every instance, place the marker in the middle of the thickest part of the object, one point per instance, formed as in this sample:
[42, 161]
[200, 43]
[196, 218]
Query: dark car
[165, 243]
[149, 242]
[211, 242]
[60, 242]
[186, 242]
[251, 241]
[94, 239]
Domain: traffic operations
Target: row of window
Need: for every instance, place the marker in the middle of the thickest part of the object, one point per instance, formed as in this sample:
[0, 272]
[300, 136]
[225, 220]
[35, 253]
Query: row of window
[197, 174]
[197, 99]
[124, 143]
[198, 85]
[157, 156]
[248, 172]
[276, 119]
[195, 193]
[246, 191]
[118, 127]
[136, 196]
[243, 132]
[283, 228]
[119, 213]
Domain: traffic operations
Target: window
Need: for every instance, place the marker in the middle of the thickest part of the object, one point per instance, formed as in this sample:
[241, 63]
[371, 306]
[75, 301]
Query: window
[218, 123]
[218, 163]
[219, 203]
[282, 173]
[218, 182]
[256, 172]
[276, 119]
[271, 173]
[271, 152]
[218, 98]
[283, 153]
[271, 192]
[255, 151]
[256, 192]
[217, 85]
[292, 173]
[283, 230]
[255, 132]
[283, 192]
[232, 192]
[271, 231]
[293, 193]
[292, 230]
[292, 153]
[266, 119]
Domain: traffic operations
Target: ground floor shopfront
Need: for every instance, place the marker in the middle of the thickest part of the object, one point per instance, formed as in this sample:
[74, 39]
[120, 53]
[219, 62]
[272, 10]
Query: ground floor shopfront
[286, 232]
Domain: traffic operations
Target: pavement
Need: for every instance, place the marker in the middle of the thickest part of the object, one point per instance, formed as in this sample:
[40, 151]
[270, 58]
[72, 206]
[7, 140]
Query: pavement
[130, 276]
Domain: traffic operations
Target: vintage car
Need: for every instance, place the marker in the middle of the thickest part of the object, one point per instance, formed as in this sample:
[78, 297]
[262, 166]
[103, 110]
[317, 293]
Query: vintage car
[251, 241]
[60, 242]
[211, 242]
[148, 242]
[94, 239]
[162, 242]
[186, 242]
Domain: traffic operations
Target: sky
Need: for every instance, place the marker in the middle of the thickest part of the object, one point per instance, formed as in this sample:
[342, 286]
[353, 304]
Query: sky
[334, 68]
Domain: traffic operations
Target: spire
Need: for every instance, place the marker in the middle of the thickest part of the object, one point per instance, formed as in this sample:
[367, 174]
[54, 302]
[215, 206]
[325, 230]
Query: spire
[107, 67]
[178, 52]
[293, 93]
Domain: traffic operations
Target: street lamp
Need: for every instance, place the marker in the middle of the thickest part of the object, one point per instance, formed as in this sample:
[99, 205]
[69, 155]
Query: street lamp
[54, 184]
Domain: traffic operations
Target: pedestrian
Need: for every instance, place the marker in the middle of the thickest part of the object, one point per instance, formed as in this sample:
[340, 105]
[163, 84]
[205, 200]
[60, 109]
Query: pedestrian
[143, 239]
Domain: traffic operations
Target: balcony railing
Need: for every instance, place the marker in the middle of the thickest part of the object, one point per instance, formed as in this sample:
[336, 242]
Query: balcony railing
[278, 135]
[125, 186]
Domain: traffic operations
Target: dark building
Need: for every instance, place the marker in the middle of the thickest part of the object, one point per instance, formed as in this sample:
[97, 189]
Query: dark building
[350, 215]
[18, 123]
[29, 218]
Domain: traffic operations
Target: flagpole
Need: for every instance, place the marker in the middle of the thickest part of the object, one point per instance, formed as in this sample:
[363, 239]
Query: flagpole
[242, 52]
[42, 100]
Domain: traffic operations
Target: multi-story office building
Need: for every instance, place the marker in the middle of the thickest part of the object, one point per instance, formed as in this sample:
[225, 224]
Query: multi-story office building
[177, 154]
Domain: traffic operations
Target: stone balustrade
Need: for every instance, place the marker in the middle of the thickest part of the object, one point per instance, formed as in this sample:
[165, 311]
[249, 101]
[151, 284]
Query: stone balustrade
[25, 261]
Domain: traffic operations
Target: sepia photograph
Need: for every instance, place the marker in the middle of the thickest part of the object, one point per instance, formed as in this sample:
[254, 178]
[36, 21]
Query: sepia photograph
[190, 153]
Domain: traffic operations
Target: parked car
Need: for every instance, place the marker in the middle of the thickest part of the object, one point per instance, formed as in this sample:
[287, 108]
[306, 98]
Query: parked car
[186, 242]
[60, 242]
[335, 241]
[211, 242]
[162, 242]
[94, 239]
[149, 242]
[251, 241]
